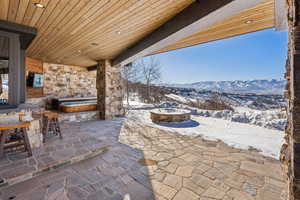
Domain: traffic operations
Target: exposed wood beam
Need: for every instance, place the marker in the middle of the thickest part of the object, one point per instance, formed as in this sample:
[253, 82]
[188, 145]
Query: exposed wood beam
[196, 17]
[280, 15]
[27, 34]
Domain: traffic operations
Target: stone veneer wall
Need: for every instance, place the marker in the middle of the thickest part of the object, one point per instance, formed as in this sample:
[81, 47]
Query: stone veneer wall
[68, 81]
[290, 152]
[110, 93]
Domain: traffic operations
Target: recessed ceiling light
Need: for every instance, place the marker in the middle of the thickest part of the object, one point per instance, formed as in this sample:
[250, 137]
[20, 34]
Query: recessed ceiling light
[118, 32]
[39, 5]
[249, 22]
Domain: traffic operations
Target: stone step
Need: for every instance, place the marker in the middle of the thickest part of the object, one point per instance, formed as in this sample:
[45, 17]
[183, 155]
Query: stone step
[24, 174]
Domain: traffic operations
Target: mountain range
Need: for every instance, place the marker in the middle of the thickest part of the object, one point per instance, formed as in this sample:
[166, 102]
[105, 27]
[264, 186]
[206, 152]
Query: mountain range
[240, 87]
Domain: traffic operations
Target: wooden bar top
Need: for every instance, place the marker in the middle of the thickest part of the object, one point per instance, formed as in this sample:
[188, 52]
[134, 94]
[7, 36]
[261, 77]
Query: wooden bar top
[6, 125]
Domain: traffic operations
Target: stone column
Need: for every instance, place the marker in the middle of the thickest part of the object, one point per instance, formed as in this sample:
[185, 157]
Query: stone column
[109, 90]
[290, 152]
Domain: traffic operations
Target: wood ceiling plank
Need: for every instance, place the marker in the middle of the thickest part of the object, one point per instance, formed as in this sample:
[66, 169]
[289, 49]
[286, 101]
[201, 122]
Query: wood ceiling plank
[234, 31]
[59, 11]
[93, 13]
[54, 16]
[29, 12]
[131, 32]
[64, 28]
[4, 6]
[13, 9]
[47, 13]
[61, 36]
[128, 17]
[231, 31]
[67, 39]
[237, 22]
[255, 15]
[21, 11]
[47, 49]
[129, 35]
[197, 16]
[43, 19]
[102, 27]
[38, 13]
[100, 35]
[57, 16]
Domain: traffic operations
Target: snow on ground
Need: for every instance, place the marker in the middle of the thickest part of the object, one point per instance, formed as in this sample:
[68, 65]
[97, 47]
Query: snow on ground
[272, 118]
[181, 99]
[238, 135]
[135, 104]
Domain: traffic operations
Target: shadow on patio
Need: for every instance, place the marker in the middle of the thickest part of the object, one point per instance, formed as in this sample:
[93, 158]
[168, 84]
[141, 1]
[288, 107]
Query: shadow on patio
[182, 167]
[113, 175]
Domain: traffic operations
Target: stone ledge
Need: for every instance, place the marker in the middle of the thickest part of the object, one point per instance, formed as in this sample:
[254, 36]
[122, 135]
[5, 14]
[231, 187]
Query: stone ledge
[31, 173]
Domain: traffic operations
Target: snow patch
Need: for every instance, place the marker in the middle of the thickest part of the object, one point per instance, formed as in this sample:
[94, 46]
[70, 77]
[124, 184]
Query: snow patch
[244, 136]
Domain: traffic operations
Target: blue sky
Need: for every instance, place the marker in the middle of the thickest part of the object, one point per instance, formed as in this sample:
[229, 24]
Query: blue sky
[259, 55]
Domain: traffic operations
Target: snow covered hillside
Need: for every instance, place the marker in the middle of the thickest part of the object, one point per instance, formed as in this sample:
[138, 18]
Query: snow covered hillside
[244, 112]
[253, 101]
[238, 87]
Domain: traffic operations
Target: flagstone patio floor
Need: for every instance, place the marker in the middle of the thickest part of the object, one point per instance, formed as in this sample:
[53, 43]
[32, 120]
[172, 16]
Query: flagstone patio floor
[174, 167]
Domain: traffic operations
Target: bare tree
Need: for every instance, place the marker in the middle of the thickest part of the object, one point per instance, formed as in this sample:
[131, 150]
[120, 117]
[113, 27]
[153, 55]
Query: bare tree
[150, 73]
[130, 75]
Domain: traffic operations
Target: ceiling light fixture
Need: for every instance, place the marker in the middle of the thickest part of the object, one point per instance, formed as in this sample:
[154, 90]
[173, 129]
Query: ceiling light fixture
[39, 5]
[249, 22]
[119, 32]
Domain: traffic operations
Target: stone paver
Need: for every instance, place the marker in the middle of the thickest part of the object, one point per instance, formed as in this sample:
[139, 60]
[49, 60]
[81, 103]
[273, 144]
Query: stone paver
[173, 181]
[187, 168]
[185, 194]
[213, 193]
[184, 171]
[76, 145]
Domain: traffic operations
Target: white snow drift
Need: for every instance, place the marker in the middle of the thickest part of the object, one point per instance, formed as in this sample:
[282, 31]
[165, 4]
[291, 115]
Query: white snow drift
[238, 135]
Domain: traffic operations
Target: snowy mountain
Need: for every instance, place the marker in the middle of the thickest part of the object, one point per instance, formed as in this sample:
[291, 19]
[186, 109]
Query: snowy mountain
[241, 87]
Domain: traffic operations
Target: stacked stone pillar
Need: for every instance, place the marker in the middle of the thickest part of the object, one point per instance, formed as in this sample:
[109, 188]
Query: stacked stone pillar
[290, 153]
[109, 90]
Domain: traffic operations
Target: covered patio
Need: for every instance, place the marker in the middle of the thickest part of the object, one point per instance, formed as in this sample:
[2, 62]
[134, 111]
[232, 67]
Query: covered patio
[59, 53]
[166, 166]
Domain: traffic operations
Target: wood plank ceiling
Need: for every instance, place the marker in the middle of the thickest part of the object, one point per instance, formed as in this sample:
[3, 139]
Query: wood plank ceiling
[257, 18]
[79, 32]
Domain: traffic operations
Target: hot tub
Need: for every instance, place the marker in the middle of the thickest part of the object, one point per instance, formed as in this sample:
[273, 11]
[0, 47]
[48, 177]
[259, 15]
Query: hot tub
[81, 106]
[170, 115]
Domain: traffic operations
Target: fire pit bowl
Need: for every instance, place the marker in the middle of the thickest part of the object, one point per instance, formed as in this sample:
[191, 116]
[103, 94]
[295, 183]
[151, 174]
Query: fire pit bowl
[170, 115]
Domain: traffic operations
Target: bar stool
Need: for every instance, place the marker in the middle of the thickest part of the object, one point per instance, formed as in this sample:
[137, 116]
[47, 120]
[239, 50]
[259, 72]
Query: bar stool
[21, 140]
[51, 123]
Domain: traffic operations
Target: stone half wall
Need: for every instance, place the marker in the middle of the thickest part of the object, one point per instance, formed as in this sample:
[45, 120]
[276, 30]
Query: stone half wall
[110, 92]
[68, 81]
[290, 152]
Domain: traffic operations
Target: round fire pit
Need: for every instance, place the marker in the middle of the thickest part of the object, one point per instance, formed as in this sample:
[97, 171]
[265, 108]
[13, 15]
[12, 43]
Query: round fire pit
[170, 115]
